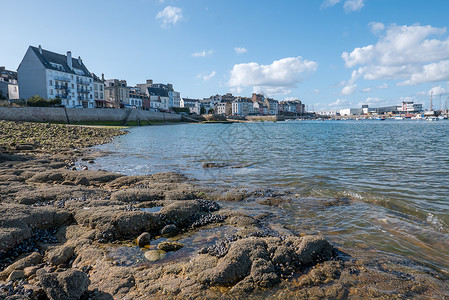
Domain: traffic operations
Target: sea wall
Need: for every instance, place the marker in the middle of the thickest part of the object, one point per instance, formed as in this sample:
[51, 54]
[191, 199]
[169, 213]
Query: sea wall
[265, 118]
[84, 115]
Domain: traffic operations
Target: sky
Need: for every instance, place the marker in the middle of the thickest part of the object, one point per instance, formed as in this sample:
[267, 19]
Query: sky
[330, 54]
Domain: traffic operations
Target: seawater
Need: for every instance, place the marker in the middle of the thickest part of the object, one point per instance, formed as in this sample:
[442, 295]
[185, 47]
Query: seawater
[377, 186]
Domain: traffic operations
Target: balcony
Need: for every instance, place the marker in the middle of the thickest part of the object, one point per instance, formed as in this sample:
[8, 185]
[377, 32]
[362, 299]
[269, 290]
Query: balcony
[63, 96]
[84, 82]
[61, 78]
[82, 91]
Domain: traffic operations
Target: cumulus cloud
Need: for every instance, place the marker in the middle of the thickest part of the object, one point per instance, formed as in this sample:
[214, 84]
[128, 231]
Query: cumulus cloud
[376, 27]
[276, 78]
[382, 86]
[316, 91]
[374, 102]
[408, 53]
[170, 16]
[339, 104]
[353, 5]
[349, 87]
[438, 90]
[203, 53]
[240, 50]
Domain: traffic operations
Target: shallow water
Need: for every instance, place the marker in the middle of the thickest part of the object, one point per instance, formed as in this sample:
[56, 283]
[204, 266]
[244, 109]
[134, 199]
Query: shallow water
[377, 186]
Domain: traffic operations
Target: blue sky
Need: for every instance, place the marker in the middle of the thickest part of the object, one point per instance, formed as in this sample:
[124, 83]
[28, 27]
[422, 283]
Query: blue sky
[331, 54]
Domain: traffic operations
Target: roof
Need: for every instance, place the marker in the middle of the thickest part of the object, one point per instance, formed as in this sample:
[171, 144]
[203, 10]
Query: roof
[47, 57]
[158, 92]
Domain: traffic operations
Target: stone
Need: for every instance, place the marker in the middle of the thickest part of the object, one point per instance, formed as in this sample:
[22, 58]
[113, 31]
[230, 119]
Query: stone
[155, 255]
[143, 239]
[60, 255]
[170, 230]
[170, 246]
[67, 285]
[16, 274]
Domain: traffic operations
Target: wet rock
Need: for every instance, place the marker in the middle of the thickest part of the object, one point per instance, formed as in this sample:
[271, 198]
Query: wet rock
[65, 285]
[16, 274]
[28, 261]
[137, 195]
[60, 255]
[214, 165]
[155, 255]
[24, 147]
[82, 180]
[113, 280]
[170, 246]
[170, 230]
[143, 239]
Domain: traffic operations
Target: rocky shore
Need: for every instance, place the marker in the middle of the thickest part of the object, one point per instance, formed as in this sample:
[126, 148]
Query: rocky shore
[68, 232]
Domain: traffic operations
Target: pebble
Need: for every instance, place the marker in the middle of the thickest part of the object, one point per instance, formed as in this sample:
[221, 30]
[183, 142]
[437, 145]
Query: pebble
[155, 255]
[170, 246]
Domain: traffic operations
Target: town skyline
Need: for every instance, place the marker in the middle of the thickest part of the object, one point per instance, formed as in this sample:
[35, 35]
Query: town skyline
[329, 54]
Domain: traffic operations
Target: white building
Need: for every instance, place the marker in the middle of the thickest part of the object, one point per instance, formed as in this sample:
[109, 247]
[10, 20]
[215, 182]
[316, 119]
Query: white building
[193, 105]
[8, 84]
[351, 111]
[174, 99]
[52, 75]
[410, 107]
[99, 93]
[241, 106]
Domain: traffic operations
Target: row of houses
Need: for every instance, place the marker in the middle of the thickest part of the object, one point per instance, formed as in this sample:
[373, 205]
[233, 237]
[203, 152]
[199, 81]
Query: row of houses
[228, 104]
[407, 107]
[52, 75]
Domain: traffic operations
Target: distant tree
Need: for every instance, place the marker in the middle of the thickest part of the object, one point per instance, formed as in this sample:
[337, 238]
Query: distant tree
[1, 96]
[211, 110]
[38, 101]
[202, 110]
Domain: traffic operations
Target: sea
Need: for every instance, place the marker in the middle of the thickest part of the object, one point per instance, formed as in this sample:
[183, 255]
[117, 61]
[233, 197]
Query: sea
[377, 186]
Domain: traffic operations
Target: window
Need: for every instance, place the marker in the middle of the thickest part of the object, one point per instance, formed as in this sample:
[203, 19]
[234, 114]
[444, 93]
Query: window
[51, 82]
[71, 76]
[73, 86]
[101, 87]
[51, 92]
[101, 95]
[90, 96]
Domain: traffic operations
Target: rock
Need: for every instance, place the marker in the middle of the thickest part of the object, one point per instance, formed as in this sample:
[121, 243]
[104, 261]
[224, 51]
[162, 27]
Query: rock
[82, 180]
[29, 271]
[28, 261]
[16, 274]
[155, 255]
[66, 285]
[214, 165]
[170, 246]
[170, 230]
[60, 255]
[143, 239]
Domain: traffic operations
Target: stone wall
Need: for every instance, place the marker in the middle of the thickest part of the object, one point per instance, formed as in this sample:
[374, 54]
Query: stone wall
[83, 115]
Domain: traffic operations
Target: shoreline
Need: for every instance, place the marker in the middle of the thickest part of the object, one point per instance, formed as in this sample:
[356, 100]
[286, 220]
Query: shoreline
[66, 224]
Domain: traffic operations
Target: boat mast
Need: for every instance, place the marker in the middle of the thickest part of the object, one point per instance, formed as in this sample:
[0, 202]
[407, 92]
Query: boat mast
[446, 106]
[431, 93]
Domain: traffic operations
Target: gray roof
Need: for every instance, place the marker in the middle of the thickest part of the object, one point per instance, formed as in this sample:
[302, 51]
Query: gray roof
[47, 57]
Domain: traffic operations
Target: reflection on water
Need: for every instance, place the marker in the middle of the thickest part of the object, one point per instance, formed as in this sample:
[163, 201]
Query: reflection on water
[392, 176]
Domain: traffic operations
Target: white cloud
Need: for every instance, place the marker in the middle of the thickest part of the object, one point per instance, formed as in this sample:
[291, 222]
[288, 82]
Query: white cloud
[408, 53]
[170, 16]
[353, 5]
[329, 3]
[203, 53]
[376, 27]
[206, 76]
[382, 86]
[366, 90]
[275, 78]
[350, 86]
[373, 102]
[338, 104]
[290, 98]
[240, 50]
[349, 5]
[438, 90]
[316, 91]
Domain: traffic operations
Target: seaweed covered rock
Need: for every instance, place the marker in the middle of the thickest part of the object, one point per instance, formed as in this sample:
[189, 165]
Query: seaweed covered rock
[262, 262]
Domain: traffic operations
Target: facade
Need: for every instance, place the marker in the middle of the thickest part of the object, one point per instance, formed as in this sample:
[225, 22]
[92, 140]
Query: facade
[223, 108]
[410, 107]
[193, 105]
[272, 106]
[116, 92]
[257, 98]
[9, 88]
[164, 93]
[52, 75]
[137, 100]
[241, 106]
[291, 107]
[100, 102]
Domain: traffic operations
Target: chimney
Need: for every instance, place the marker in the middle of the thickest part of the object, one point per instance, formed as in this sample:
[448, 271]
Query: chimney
[69, 59]
[149, 81]
[40, 49]
[79, 60]
[102, 76]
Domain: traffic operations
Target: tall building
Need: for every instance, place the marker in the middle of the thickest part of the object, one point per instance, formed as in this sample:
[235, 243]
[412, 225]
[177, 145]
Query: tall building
[159, 92]
[117, 92]
[52, 75]
[99, 92]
